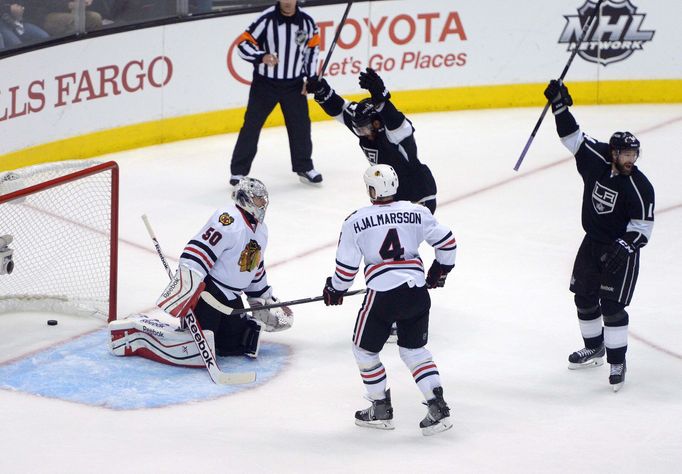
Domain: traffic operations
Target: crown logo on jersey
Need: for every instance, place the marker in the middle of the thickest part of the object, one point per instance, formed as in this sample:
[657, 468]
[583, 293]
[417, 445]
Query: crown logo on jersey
[250, 257]
[603, 199]
[225, 219]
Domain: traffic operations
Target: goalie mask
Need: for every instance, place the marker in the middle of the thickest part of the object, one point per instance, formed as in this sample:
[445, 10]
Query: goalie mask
[381, 181]
[251, 195]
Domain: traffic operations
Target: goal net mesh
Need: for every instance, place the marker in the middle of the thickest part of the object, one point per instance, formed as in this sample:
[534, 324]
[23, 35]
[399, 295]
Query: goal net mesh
[63, 236]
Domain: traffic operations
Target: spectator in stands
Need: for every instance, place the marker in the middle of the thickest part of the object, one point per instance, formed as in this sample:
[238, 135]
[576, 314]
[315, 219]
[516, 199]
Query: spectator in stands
[106, 9]
[13, 30]
[58, 18]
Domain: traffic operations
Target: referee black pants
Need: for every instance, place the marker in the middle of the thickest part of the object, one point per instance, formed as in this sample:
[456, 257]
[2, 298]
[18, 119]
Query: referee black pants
[264, 95]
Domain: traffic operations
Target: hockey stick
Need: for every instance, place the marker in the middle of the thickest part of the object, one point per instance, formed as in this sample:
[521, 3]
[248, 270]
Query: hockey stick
[336, 38]
[218, 376]
[586, 27]
[212, 301]
[157, 246]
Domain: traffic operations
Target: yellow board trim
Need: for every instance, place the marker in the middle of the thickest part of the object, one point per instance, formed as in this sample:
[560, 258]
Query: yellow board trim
[431, 100]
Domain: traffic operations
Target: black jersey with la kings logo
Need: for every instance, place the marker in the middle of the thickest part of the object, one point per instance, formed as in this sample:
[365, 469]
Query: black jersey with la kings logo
[613, 204]
[393, 145]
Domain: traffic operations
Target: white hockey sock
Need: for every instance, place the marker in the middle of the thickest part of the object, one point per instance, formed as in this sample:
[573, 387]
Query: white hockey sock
[615, 337]
[423, 368]
[590, 329]
[427, 378]
[375, 381]
[372, 372]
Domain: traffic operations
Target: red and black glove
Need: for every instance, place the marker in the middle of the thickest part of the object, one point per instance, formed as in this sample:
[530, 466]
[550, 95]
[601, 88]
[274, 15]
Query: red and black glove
[332, 296]
[435, 278]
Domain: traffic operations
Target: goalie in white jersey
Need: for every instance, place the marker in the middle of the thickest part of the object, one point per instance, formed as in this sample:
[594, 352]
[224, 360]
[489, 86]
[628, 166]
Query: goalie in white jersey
[387, 235]
[225, 258]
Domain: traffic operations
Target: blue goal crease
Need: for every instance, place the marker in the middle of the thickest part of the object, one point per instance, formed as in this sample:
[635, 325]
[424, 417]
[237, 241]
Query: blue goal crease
[85, 371]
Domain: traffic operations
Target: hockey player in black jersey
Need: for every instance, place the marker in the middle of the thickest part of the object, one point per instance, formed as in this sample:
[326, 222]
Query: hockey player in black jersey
[618, 217]
[385, 135]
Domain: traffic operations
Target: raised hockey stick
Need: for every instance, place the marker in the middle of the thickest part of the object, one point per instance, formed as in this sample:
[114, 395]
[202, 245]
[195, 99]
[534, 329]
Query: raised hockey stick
[211, 300]
[586, 27]
[336, 38]
[218, 376]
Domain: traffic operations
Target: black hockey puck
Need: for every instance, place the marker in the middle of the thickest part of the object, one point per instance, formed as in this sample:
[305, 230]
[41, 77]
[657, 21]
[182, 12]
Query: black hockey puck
[51, 322]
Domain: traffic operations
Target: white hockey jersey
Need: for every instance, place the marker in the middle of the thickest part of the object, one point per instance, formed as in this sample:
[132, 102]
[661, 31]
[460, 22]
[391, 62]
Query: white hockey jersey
[388, 237]
[230, 250]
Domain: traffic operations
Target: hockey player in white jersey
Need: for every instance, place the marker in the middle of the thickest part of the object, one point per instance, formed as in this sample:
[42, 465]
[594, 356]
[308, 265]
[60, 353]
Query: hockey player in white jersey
[225, 258]
[387, 235]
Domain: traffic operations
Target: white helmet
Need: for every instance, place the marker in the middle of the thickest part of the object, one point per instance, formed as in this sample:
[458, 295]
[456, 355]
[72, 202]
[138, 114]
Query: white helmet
[381, 181]
[251, 195]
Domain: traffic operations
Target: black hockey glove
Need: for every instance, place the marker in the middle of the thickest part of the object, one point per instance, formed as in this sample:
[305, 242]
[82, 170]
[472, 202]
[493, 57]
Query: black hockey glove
[435, 278]
[371, 81]
[332, 296]
[557, 94]
[617, 256]
[318, 87]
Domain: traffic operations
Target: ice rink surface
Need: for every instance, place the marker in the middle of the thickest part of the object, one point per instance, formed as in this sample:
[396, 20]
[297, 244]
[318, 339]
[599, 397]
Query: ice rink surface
[500, 330]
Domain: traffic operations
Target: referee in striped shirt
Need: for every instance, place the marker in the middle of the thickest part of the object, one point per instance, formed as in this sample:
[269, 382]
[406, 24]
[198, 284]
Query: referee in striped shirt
[283, 46]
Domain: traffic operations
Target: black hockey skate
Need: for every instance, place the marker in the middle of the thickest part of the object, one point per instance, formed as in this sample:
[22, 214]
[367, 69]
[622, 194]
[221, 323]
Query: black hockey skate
[437, 419]
[379, 415]
[586, 357]
[617, 377]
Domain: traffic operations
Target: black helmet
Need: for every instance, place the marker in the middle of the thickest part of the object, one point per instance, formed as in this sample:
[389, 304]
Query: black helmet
[362, 113]
[624, 141]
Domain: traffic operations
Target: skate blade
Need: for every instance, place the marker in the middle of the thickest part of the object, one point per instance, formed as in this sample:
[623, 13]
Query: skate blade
[596, 362]
[377, 424]
[617, 386]
[442, 425]
[309, 183]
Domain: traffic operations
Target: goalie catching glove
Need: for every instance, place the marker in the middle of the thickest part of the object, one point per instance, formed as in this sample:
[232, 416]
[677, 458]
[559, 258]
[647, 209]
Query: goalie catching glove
[182, 293]
[274, 319]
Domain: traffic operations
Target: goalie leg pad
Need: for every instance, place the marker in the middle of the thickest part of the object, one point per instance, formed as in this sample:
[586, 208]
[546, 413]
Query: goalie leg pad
[143, 336]
[251, 339]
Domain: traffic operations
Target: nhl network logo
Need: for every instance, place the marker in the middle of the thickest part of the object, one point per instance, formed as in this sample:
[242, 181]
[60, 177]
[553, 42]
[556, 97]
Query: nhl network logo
[614, 37]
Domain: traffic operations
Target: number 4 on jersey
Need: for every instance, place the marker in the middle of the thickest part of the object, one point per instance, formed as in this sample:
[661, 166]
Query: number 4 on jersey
[391, 248]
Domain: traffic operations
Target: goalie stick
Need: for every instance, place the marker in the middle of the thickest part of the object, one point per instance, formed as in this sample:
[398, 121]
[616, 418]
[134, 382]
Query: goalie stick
[218, 376]
[586, 27]
[211, 300]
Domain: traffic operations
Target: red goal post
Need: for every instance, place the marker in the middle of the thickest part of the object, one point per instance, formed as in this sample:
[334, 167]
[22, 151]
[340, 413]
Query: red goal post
[61, 221]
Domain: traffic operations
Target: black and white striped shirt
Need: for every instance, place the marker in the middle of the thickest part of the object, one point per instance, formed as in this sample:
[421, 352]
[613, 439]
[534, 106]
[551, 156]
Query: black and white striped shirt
[295, 40]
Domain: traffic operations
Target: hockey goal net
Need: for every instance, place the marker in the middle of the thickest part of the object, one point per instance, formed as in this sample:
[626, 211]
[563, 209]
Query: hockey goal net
[59, 226]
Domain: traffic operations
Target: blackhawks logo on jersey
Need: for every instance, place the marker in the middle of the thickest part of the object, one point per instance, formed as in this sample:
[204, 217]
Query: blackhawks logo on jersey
[250, 257]
[225, 219]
